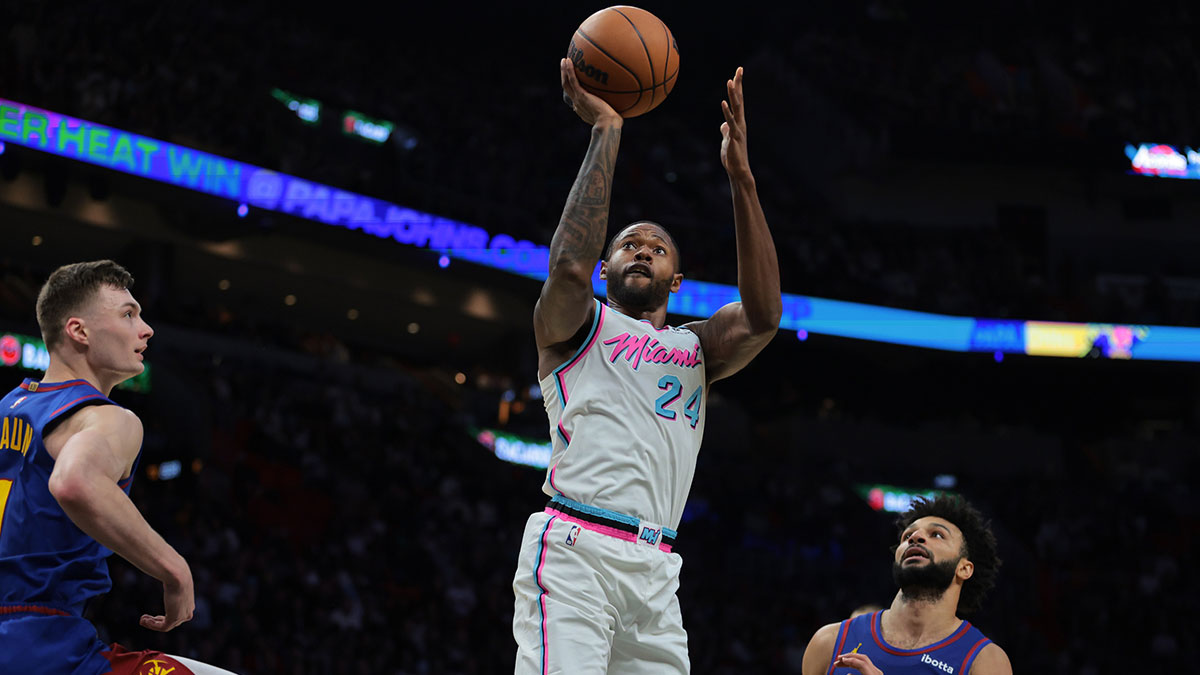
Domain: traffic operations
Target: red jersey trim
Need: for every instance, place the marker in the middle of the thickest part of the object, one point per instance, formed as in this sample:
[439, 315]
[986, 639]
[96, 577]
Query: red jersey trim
[32, 609]
[843, 632]
[966, 664]
[37, 386]
[81, 398]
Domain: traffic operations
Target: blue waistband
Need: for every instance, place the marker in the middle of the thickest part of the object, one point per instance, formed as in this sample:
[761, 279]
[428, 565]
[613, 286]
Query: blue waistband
[615, 516]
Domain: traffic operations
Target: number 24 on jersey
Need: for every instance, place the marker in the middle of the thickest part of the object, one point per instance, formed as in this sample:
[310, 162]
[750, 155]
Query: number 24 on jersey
[665, 405]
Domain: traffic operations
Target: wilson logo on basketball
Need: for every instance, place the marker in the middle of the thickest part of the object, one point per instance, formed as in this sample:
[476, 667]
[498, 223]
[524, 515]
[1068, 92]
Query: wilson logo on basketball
[576, 56]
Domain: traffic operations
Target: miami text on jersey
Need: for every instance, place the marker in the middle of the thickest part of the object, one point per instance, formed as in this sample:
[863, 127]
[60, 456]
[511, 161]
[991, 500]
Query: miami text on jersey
[648, 349]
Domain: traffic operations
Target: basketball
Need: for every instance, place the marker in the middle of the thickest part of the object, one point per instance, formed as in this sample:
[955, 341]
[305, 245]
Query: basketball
[626, 56]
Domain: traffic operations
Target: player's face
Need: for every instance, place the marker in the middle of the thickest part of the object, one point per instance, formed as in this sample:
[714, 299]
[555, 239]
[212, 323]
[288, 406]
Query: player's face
[641, 267]
[929, 540]
[117, 335]
[928, 557]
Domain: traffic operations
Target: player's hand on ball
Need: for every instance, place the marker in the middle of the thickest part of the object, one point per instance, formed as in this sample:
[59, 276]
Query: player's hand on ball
[733, 129]
[860, 662]
[589, 107]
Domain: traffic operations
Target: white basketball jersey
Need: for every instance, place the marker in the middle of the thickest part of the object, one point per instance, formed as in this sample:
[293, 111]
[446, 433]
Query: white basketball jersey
[626, 418]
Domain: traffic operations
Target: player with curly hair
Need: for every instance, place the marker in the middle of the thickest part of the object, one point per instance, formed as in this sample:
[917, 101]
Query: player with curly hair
[945, 563]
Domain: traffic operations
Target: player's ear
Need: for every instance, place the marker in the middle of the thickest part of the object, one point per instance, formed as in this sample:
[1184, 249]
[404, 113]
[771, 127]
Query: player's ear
[76, 330]
[603, 269]
[966, 569]
[676, 282]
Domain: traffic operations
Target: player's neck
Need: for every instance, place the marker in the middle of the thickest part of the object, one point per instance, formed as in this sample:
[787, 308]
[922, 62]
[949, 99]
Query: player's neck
[915, 623]
[656, 317]
[65, 370]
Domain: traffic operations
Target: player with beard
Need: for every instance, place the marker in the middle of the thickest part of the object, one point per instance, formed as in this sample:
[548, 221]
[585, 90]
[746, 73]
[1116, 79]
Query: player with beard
[944, 565]
[625, 394]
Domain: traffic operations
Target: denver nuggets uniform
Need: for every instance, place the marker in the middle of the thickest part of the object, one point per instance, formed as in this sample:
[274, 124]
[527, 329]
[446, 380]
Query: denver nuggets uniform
[596, 581]
[952, 655]
[49, 568]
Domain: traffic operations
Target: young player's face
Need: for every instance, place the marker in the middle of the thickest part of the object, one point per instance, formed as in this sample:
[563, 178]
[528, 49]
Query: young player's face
[640, 269]
[117, 335]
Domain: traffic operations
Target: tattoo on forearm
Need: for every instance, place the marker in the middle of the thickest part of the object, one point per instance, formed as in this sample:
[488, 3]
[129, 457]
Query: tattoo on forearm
[581, 230]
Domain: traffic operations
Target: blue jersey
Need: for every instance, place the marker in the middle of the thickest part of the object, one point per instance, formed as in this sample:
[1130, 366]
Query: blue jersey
[952, 655]
[49, 568]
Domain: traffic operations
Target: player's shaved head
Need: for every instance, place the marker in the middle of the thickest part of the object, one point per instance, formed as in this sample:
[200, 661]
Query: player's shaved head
[664, 233]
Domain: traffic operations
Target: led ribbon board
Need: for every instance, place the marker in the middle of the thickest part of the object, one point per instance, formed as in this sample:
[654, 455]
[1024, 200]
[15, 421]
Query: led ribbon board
[515, 449]
[1164, 161]
[270, 190]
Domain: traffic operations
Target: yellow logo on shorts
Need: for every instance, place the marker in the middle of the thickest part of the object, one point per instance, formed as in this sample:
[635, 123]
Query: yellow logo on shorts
[155, 667]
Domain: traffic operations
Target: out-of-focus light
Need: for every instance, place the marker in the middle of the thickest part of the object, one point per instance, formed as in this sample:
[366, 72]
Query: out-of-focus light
[413, 328]
[444, 261]
[460, 378]
[197, 465]
[510, 395]
[999, 356]
[223, 284]
[945, 481]
[535, 391]
[243, 210]
[352, 314]
[802, 335]
[170, 469]
[37, 240]
[289, 299]
[1, 147]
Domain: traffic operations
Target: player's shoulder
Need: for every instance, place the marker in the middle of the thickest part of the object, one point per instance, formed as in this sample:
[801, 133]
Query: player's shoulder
[827, 634]
[819, 652]
[992, 660]
[106, 418]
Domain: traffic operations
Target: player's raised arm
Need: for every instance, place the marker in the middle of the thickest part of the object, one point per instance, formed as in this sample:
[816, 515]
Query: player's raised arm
[566, 299]
[739, 331]
[98, 451]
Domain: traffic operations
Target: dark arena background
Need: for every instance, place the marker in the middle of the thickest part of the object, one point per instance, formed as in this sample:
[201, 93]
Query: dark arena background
[342, 384]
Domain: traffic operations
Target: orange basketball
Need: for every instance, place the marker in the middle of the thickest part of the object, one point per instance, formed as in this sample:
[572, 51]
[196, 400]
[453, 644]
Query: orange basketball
[626, 56]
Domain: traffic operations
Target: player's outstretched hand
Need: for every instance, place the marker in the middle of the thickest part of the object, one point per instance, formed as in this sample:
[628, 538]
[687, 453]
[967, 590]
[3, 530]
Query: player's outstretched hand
[733, 129]
[860, 662]
[179, 603]
[588, 106]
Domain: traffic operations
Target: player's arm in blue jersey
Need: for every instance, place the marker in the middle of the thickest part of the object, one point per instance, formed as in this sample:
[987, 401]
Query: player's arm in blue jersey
[566, 303]
[820, 650]
[737, 332]
[94, 450]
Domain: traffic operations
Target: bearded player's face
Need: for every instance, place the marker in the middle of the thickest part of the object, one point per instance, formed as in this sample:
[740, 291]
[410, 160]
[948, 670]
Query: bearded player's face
[927, 558]
[641, 268]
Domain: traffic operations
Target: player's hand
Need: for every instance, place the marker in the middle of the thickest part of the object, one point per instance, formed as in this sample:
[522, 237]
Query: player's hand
[733, 129]
[588, 106]
[860, 662]
[179, 602]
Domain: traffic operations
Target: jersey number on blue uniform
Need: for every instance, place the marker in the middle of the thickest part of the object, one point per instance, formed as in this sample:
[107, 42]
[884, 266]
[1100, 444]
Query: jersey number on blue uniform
[5, 488]
[673, 387]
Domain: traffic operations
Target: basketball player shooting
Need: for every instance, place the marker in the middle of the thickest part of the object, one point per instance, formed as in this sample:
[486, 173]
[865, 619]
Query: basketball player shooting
[67, 458]
[625, 393]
